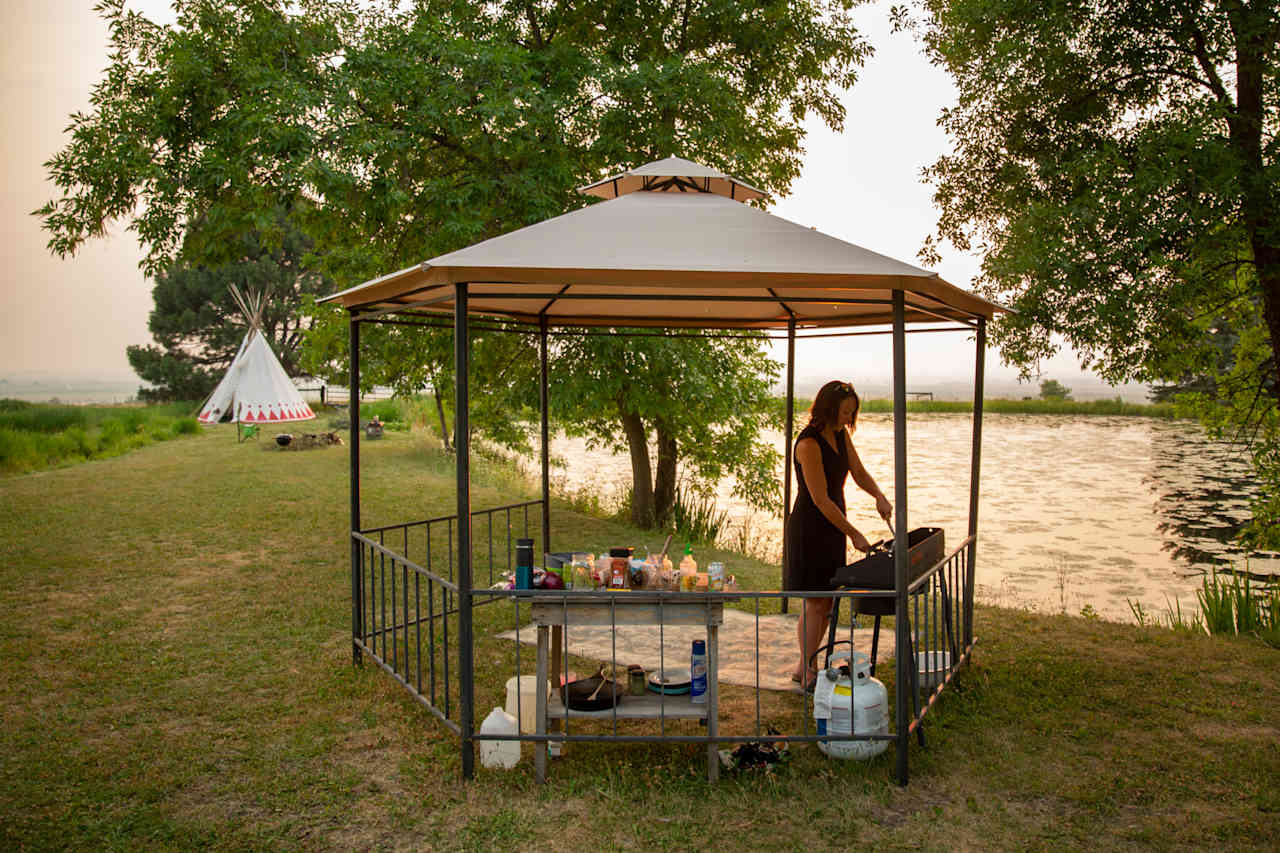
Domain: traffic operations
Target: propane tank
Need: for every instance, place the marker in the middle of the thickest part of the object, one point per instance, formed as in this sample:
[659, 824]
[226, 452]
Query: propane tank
[851, 704]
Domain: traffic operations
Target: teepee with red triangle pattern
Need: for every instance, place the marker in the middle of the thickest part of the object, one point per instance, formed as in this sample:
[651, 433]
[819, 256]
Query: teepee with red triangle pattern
[255, 388]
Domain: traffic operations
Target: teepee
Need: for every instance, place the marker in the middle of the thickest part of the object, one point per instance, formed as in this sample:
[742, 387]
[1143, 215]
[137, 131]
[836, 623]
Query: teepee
[255, 389]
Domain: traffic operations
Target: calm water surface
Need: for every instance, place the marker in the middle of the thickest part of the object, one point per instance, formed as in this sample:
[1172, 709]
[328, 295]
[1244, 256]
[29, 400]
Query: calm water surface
[1074, 510]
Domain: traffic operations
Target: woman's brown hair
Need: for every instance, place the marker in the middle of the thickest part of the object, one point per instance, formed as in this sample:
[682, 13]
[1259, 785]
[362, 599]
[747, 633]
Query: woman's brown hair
[826, 406]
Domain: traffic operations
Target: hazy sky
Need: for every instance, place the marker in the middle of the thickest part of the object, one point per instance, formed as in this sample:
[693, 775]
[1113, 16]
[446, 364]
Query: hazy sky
[77, 315]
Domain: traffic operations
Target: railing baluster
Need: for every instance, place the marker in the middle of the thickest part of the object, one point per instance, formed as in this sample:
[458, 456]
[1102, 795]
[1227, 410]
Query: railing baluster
[445, 620]
[431, 637]
[417, 624]
[395, 635]
[405, 592]
[382, 577]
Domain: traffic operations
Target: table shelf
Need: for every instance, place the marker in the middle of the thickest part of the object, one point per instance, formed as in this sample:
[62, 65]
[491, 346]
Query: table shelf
[650, 706]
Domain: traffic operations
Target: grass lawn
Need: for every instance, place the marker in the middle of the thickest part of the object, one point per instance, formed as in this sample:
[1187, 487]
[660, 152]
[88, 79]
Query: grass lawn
[176, 675]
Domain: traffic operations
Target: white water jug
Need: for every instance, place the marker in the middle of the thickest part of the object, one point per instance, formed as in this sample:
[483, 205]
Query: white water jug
[499, 753]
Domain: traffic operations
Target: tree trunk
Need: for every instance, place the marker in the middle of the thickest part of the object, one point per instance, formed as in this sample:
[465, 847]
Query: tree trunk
[444, 427]
[664, 486]
[1266, 257]
[641, 473]
[1254, 44]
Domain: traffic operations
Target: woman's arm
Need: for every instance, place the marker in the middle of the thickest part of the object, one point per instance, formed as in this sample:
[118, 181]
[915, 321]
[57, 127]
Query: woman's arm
[864, 480]
[809, 455]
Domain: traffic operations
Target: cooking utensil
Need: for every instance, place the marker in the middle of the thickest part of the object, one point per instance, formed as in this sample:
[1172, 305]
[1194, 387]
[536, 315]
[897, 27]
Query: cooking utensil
[585, 694]
[665, 545]
[672, 681]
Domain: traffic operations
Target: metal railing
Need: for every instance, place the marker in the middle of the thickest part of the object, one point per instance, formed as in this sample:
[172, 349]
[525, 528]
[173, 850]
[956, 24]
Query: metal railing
[408, 624]
[406, 612]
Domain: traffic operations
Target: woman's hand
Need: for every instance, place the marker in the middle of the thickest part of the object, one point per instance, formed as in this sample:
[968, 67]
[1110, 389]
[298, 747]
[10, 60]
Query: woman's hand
[859, 541]
[884, 508]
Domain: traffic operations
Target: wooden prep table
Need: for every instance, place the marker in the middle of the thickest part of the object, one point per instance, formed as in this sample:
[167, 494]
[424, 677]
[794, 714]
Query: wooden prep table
[629, 608]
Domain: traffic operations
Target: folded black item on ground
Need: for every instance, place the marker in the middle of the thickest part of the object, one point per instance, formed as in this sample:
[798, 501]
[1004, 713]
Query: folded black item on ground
[756, 755]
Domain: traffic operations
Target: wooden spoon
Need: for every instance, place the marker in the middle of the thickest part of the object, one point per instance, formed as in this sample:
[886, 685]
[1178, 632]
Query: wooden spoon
[592, 697]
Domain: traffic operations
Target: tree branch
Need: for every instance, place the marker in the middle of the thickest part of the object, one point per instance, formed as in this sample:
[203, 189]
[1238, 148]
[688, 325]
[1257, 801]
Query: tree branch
[533, 25]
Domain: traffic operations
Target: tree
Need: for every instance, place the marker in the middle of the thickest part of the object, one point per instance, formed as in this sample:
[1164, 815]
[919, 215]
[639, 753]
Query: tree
[1116, 164]
[1052, 389]
[198, 326]
[698, 399]
[396, 135]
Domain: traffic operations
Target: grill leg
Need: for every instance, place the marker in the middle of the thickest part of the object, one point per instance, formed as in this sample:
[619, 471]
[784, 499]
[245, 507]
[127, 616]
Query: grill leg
[875, 644]
[831, 631]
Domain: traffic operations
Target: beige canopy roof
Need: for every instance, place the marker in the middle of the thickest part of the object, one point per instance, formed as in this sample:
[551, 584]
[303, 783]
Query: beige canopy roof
[673, 255]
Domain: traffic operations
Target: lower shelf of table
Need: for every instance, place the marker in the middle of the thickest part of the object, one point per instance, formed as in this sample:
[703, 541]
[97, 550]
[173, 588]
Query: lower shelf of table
[650, 706]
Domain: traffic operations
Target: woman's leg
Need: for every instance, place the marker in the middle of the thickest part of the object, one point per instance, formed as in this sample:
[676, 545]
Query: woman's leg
[811, 630]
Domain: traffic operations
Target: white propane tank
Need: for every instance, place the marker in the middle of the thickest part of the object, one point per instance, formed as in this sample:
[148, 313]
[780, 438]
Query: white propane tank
[837, 699]
[499, 753]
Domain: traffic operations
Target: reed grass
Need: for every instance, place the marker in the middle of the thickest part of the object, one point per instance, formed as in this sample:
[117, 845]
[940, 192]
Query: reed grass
[1238, 606]
[1000, 406]
[38, 436]
[696, 517]
[1003, 406]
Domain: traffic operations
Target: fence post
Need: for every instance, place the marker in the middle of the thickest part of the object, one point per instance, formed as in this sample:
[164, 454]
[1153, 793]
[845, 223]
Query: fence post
[357, 550]
[462, 426]
[975, 464]
[786, 441]
[902, 628]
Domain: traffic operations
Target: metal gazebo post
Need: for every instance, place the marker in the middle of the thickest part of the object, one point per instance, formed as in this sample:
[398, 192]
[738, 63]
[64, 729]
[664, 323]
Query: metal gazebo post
[976, 461]
[786, 439]
[546, 461]
[462, 441]
[357, 573]
[902, 636]
[557, 632]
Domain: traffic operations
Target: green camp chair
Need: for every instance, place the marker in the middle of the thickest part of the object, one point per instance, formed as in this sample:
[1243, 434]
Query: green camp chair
[244, 432]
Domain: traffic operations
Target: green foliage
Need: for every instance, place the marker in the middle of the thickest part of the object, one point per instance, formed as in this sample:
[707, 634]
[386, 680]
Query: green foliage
[1052, 389]
[703, 399]
[1237, 606]
[1117, 166]
[198, 326]
[393, 135]
[38, 436]
[1002, 406]
[696, 518]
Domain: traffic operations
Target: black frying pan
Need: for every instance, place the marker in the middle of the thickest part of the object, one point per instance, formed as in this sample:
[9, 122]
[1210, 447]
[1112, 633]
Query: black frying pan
[582, 695]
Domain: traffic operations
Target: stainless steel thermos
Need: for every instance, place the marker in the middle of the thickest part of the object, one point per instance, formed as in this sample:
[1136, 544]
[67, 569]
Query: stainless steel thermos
[524, 564]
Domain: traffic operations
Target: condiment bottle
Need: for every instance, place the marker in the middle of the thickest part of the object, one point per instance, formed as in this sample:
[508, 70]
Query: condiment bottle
[688, 570]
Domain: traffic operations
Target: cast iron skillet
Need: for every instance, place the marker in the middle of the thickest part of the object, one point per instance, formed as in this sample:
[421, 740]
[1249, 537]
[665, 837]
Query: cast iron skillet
[576, 694]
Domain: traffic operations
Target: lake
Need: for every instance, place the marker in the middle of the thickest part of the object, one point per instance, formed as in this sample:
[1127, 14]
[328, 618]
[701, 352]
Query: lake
[1074, 511]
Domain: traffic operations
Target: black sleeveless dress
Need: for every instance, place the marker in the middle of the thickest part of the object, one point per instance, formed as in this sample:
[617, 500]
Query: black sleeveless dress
[815, 546]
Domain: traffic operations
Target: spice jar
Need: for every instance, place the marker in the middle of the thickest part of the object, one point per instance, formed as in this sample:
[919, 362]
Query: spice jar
[619, 567]
[635, 680]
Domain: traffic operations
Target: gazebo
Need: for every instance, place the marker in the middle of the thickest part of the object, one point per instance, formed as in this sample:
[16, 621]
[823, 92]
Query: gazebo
[674, 245]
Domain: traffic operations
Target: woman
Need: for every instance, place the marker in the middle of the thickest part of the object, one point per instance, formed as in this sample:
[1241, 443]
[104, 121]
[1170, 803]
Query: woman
[817, 527]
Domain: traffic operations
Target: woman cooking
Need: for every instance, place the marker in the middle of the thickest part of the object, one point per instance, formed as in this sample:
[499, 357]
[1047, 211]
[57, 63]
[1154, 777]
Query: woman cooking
[817, 527]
